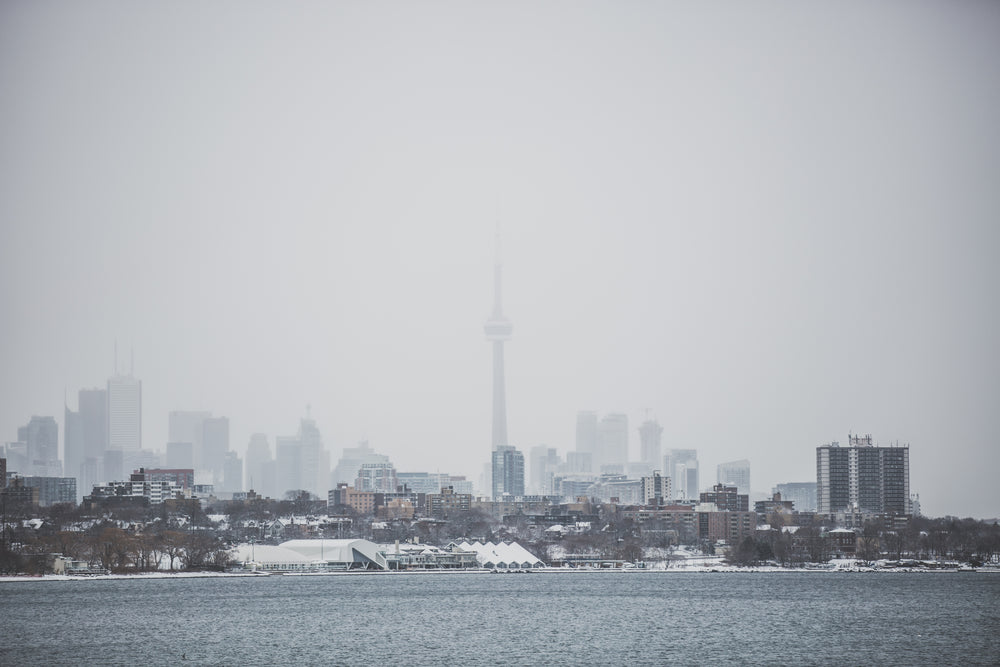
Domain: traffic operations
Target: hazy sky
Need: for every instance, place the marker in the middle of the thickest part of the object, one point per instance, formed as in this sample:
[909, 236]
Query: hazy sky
[768, 224]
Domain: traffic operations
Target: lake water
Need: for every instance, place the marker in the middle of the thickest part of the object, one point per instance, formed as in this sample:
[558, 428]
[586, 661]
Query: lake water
[543, 618]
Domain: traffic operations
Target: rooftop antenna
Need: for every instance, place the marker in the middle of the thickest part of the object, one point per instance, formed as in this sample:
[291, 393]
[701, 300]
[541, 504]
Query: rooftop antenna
[116, 356]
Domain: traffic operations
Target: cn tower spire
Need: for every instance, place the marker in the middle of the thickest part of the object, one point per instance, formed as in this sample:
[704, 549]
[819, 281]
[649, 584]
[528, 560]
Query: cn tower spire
[498, 330]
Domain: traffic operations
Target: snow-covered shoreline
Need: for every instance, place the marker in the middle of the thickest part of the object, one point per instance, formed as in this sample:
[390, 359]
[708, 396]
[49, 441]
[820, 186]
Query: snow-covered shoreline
[844, 566]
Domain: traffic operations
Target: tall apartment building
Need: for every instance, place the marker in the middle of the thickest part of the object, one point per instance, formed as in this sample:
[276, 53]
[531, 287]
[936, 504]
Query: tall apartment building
[726, 498]
[862, 477]
[656, 489]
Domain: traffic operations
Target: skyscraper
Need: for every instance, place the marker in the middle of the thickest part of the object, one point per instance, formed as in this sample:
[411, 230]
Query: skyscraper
[862, 478]
[612, 444]
[649, 445]
[586, 441]
[498, 330]
[124, 413]
[214, 447]
[260, 466]
[508, 472]
[681, 465]
[543, 463]
[735, 473]
[41, 437]
[188, 426]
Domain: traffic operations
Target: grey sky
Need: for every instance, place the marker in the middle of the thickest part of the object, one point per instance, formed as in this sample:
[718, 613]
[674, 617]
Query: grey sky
[767, 224]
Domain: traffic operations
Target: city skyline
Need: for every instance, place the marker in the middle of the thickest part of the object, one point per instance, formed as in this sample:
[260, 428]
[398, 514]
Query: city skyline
[769, 228]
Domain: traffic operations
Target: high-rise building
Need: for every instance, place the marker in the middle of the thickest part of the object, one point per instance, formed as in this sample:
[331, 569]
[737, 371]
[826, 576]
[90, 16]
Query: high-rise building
[735, 473]
[611, 456]
[586, 438]
[41, 438]
[124, 413]
[656, 489]
[649, 445]
[85, 439]
[681, 465]
[801, 494]
[543, 462]
[862, 478]
[53, 490]
[508, 472]
[260, 466]
[302, 462]
[188, 426]
[232, 473]
[726, 498]
[351, 461]
[498, 330]
[180, 455]
[214, 447]
[378, 477]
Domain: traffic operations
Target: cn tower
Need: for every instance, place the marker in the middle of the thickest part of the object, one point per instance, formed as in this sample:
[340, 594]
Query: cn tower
[498, 329]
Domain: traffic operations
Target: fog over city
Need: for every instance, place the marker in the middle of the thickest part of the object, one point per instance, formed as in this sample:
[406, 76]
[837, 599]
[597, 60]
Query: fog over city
[765, 226]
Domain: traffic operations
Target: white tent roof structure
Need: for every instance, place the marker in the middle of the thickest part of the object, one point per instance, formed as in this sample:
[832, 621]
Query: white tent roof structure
[503, 555]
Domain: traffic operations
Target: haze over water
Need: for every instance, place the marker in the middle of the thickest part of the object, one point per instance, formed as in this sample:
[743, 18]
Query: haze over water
[768, 226]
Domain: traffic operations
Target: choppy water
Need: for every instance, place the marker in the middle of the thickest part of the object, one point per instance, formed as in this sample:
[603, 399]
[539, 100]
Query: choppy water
[425, 619]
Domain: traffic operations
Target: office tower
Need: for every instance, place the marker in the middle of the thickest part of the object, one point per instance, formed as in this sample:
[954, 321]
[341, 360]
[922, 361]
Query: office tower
[649, 445]
[124, 413]
[735, 473]
[112, 466]
[586, 439]
[180, 455]
[579, 462]
[188, 426]
[862, 478]
[656, 489]
[543, 462]
[214, 446]
[301, 461]
[232, 473]
[802, 495]
[73, 456]
[508, 472]
[260, 466]
[41, 439]
[351, 461]
[681, 466]
[612, 444]
[86, 439]
[315, 458]
[498, 330]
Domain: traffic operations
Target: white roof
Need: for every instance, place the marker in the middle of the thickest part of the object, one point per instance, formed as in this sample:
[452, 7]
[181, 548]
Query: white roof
[335, 551]
[501, 554]
[268, 553]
